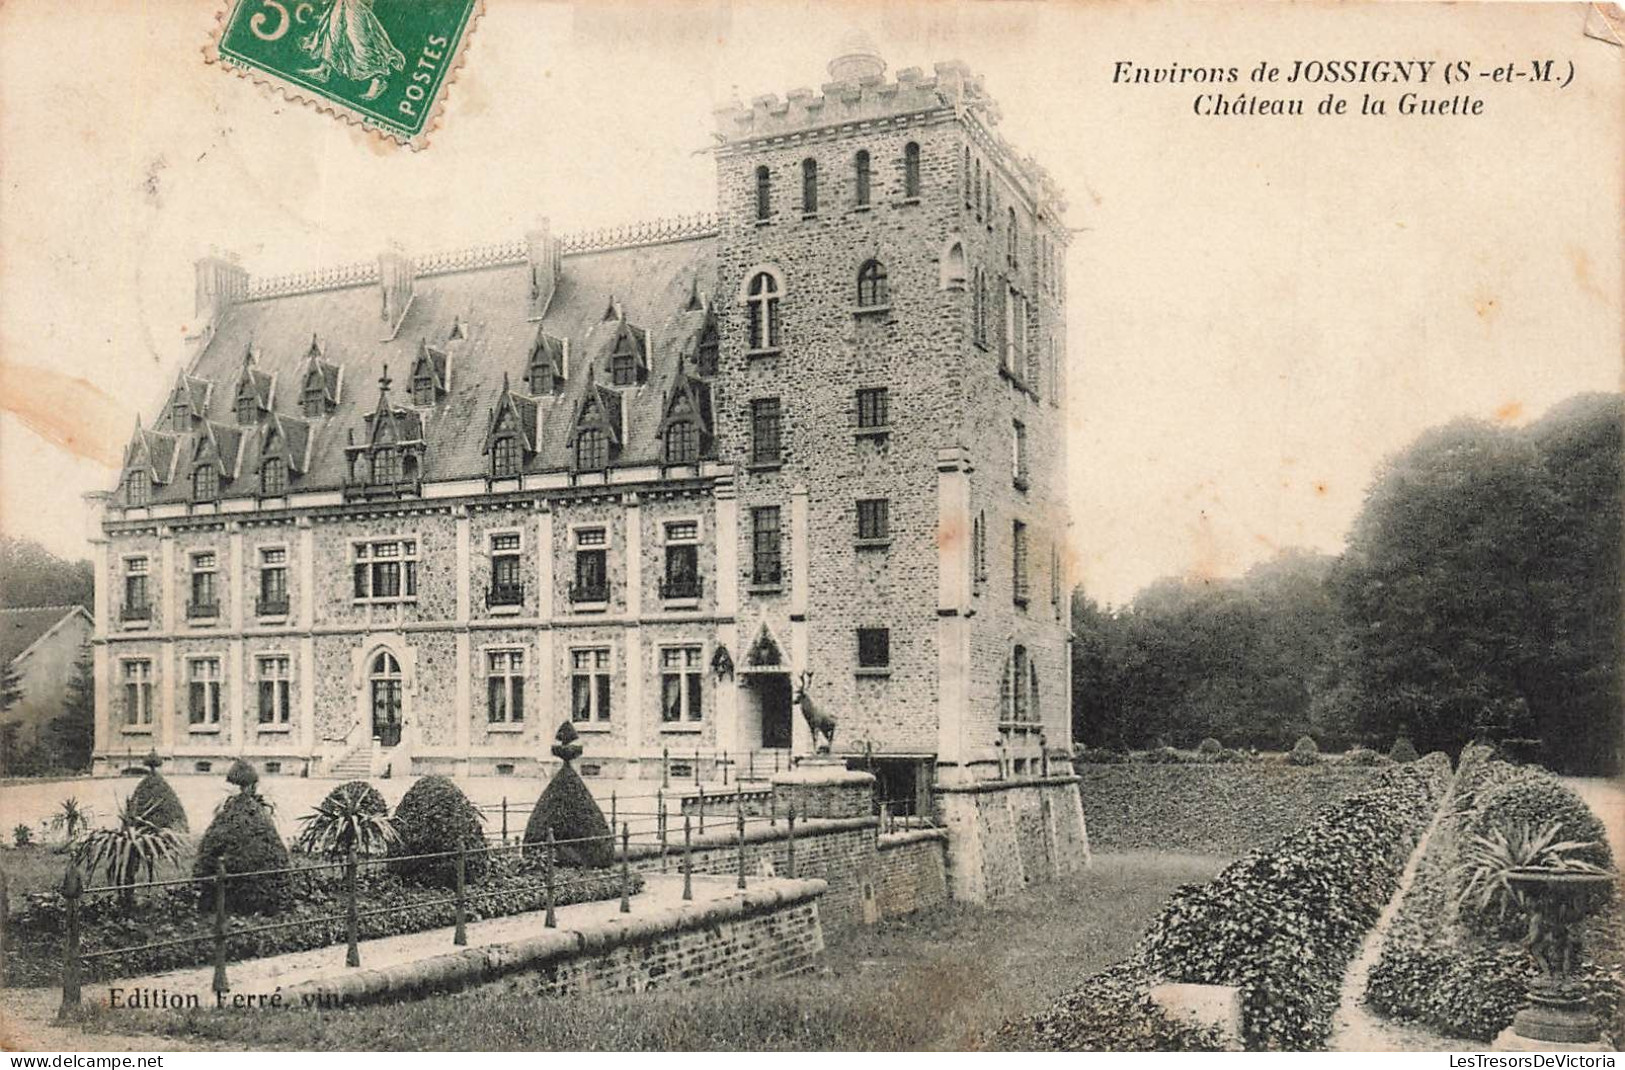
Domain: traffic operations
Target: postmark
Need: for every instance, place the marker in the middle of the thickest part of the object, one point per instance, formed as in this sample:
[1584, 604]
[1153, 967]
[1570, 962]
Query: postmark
[386, 64]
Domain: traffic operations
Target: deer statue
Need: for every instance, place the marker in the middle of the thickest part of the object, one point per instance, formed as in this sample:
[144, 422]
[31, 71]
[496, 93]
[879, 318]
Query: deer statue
[819, 723]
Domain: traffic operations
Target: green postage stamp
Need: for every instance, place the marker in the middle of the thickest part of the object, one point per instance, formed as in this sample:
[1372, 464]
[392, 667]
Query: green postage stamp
[383, 63]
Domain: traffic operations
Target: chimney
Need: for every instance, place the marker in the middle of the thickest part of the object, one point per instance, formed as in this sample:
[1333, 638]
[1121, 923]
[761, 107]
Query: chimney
[221, 283]
[542, 253]
[396, 275]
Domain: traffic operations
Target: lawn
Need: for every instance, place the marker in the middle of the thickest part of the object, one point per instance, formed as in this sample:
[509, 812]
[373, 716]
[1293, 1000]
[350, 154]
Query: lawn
[944, 980]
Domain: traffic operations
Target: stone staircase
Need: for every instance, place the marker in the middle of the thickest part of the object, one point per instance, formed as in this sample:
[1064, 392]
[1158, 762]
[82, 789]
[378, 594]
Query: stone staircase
[356, 765]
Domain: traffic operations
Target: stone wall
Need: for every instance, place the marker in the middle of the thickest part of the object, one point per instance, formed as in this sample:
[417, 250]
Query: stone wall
[912, 872]
[1004, 835]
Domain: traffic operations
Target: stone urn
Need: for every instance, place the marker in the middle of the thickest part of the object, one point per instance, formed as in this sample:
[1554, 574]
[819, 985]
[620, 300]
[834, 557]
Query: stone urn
[1558, 900]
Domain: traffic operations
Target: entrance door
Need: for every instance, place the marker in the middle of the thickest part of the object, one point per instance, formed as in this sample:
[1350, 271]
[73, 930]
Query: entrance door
[773, 697]
[386, 699]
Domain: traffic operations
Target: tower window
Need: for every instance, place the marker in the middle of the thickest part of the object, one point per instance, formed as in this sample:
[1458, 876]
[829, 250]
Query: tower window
[872, 291]
[874, 404]
[862, 176]
[1013, 239]
[874, 648]
[767, 562]
[1018, 562]
[764, 193]
[874, 521]
[965, 178]
[911, 171]
[705, 356]
[766, 445]
[809, 186]
[762, 303]
[1018, 454]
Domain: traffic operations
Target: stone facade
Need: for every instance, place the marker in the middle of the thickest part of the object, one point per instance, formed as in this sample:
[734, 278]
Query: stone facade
[321, 538]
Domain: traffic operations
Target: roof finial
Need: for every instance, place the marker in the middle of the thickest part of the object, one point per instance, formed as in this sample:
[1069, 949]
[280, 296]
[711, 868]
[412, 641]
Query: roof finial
[383, 384]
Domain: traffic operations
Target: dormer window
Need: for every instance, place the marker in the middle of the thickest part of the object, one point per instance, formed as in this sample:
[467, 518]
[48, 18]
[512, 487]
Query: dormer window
[137, 487]
[273, 477]
[623, 364]
[386, 465]
[205, 483]
[872, 292]
[506, 458]
[592, 450]
[682, 443]
[314, 399]
[423, 392]
[762, 305]
[180, 412]
[430, 376]
[248, 405]
[862, 177]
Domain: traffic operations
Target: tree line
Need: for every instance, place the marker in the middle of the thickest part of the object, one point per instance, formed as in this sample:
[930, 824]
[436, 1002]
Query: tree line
[1478, 596]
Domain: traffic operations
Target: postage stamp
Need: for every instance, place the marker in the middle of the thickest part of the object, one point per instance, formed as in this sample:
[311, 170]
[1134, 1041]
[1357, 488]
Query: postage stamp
[385, 64]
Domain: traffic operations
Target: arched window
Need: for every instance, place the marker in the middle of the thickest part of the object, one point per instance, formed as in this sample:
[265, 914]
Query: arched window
[505, 460]
[809, 186]
[386, 465]
[205, 483]
[315, 394]
[385, 685]
[1018, 680]
[872, 284]
[911, 170]
[764, 192]
[682, 443]
[861, 165]
[762, 303]
[952, 267]
[979, 307]
[592, 450]
[137, 487]
[273, 476]
[1013, 238]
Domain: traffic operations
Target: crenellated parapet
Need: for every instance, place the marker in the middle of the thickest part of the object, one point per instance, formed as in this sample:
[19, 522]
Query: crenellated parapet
[862, 99]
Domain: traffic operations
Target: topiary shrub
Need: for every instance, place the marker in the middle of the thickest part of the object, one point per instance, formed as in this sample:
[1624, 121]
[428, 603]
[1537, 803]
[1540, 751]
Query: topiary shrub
[1210, 748]
[242, 776]
[435, 817]
[243, 836]
[1403, 750]
[568, 808]
[1304, 752]
[352, 815]
[156, 802]
[1531, 798]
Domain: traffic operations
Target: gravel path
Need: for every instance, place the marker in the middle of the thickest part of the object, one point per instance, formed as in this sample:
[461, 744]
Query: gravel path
[1355, 1028]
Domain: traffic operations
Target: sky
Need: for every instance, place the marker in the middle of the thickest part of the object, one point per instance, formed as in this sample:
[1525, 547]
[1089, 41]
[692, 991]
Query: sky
[1260, 308]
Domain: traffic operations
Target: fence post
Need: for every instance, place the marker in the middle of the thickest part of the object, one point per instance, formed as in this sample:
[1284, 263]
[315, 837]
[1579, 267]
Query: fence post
[740, 814]
[697, 767]
[665, 767]
[790, 844]
[772, 808]
[626, 869]
[5, 912]
[72, 889]
[352, 918]
[702, 809]
[614, 818]
[660, 820]
[459, 934]
[552, 922]
[724, 768]
[750, 764]
[504, 821]
[688, 858]
[220, 984]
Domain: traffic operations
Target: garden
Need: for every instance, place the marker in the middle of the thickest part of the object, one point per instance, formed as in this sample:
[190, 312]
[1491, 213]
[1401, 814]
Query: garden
[140, 897]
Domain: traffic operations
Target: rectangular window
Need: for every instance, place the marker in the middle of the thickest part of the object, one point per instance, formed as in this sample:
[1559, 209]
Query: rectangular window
[682, 577]
[203, 691]
[765, 446]
[589, 685]
[275, 690]
[873, 518]
[767, 563]
[874, 648]
[681, 684]
[592, 566]
[135, 585]
[385, 571]
[507, 588]
[137, 680]
[1018, 562]
[874, 406]
[1018, 454]
[273, 601]
[205, 602]
[505, 686]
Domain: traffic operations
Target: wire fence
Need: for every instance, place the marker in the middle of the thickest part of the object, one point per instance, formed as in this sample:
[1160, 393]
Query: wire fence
[672, 841]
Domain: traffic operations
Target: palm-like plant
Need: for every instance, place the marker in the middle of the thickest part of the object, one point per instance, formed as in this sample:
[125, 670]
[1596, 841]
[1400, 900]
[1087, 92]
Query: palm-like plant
[1487, 860]
[352, 815]
[70, 818]
[135, 845]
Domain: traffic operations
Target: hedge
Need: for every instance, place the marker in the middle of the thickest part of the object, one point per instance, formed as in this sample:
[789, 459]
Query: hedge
[1112, 1011]
[389, 906]
[1467, 981]
[154, 799]
[435, 817]
[1282, 924]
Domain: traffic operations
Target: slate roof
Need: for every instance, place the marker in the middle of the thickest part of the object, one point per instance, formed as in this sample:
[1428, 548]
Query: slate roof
[652, 286]
[22, 628]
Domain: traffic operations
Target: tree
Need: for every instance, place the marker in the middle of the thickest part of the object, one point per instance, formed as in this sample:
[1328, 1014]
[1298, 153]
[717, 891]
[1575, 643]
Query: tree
[73, 733]
[11, 688]
[31, 575]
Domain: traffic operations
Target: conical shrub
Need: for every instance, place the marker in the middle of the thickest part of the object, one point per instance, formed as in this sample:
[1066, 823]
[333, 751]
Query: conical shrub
[243, 836]
[568, 808]
[434, 817]
[154, 800]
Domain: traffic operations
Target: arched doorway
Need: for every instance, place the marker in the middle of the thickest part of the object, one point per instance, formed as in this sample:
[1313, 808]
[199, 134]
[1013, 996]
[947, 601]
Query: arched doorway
[384, 686]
